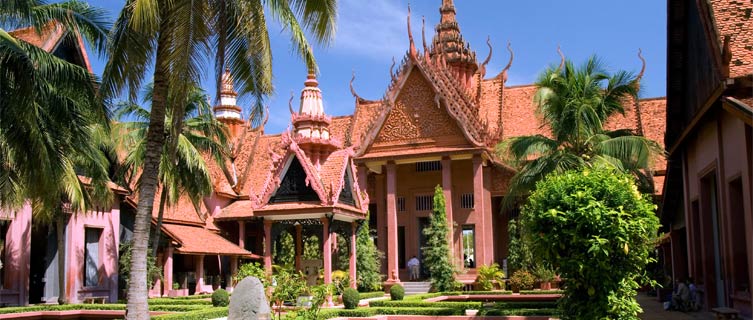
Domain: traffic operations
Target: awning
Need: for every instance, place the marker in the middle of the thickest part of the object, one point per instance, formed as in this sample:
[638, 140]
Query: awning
[200, 241]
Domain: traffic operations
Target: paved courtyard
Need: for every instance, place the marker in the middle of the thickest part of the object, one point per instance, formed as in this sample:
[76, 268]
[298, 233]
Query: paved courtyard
[652, 310]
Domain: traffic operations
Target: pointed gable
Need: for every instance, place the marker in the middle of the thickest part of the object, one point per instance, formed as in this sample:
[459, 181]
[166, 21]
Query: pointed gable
[293, 185]
[417, 119]
[346, 194]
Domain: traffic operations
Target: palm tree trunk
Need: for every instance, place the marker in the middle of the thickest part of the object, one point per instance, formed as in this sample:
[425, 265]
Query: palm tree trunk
[158, 230]
[137, 307]
[60, 233]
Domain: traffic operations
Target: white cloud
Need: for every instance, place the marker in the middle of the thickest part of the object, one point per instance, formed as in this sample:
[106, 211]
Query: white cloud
[372, 28]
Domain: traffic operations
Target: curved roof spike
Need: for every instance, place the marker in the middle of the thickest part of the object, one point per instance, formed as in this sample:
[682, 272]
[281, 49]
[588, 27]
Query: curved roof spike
[392, 67]
[353, 91]
[266, 116]
[423, 33]
[562, 58]
[413, 51]
[489, 57]
[509, 62]
[290, 102]
[643, 67]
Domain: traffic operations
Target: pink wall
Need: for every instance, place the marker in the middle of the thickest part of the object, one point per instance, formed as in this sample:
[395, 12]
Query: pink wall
[17, 256]
[108, 221]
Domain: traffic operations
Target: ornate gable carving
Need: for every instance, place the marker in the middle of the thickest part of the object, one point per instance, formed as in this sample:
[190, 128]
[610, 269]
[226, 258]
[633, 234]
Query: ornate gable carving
[416, 116]
[294, 186]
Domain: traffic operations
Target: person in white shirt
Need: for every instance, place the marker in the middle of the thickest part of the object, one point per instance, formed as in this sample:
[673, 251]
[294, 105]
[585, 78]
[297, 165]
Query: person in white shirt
[413, 267]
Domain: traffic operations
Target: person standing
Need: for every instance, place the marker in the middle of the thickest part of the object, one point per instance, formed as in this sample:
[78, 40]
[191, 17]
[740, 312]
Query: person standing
[413, 266]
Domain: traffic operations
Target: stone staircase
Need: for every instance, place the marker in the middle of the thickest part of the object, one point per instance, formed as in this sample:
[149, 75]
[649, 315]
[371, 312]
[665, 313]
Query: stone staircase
[416, 287]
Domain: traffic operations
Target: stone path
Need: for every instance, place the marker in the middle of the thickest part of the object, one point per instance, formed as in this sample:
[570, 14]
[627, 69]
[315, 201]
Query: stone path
[653, 310]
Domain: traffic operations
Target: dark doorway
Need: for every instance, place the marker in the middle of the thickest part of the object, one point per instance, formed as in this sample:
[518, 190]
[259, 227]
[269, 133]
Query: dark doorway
[43, 270]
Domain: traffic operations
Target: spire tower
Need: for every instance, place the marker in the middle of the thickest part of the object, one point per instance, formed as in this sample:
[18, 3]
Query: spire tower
[448, 42]
[311, 124]
[227, 111]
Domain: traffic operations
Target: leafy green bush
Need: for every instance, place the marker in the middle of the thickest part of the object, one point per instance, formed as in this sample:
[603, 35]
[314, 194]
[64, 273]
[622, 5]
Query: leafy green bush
[437, 251]
[341, 280]
[488, 275]
[206, 313]
[542, 291]
[522, 280]
[153, 272]
[350, 298]
[397, 292]
[252, 269]
[220, 298]
[543, 273]
[368, 260]
[609, 229]
[424, 304]
[173, 301]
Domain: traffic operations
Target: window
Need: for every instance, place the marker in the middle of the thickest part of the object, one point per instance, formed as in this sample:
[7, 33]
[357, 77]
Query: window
[91, 256]
[739, 257]
[428, 166]
[401, 204]
[424, 203]
[469, 246]
[466, 201]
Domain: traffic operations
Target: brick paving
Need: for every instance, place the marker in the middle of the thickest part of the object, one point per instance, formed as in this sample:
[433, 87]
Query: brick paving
[653, 310]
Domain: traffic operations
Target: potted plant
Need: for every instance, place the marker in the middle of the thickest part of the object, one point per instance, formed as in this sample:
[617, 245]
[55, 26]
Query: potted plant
[521, 280]
[544, 275]
[490, 277]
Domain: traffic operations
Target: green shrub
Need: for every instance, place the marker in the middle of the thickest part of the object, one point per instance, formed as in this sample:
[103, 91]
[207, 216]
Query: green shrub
[206, 313]
[437, 256]
[397, 292]
[488, 275]
[252, 269]
[609, 230]
[371, 295]
[173, 301]
[350, 298]
[542, 291]
[220, 298]
[461, 305]
[368, 260]
[522, 280]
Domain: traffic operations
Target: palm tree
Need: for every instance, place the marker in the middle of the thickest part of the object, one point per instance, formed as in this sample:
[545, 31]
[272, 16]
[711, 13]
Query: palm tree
[185, 171]
[574, 104]
[178, 37]
[52, 128]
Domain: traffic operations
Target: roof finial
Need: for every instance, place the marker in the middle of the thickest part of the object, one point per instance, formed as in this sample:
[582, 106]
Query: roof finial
[643, 67]
[290, 102]
[509, 63]
[562, 58]
[266, 116]
[489, 57]
[392, 74]
[413, 51]
[423, 38]
[353, 91]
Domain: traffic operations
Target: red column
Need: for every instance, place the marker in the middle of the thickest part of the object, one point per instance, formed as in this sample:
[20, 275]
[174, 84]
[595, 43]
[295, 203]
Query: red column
[353, 279]
[199, 274]
[242, 234]
[478, 210]
[268, 246]
[393, 274]
[363, 178]
[447, 189]
[298, 246]
[327, 249]
[489, 232]
[233, 272]
[167, 270]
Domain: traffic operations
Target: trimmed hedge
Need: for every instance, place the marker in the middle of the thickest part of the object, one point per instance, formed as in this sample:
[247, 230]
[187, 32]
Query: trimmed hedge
[542, 291]
[370, 295]
[196, 296]
[423, 304]
[370, 312]
[172, 301]
[397, 292]
[206, 313]
[518, 312]
[68, 307]
[526, 305]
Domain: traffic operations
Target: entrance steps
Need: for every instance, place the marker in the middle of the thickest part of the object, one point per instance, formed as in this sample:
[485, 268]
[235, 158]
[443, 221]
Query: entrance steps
[416, 287]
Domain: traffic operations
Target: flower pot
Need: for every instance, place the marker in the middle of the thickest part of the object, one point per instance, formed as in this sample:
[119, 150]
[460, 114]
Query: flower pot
[546, 285]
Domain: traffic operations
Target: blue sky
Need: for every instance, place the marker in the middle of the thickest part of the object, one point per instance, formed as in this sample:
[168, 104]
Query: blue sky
[371, 32]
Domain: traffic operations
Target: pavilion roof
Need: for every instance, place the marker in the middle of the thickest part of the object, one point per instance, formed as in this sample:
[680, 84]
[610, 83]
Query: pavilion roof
[199, 241]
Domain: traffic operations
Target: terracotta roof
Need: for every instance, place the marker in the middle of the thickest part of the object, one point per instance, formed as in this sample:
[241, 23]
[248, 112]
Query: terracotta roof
[238, 209]
[340, 127]
[365, 115]
[490, 104]
[197, 240]
[733, 18]
[659, 185]
[47, 38]
[653, 117]
[220, 181]
[416, 151]
[245, 156]
[519, 114]
[261, 170]
[182, 212]
[331, 173]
